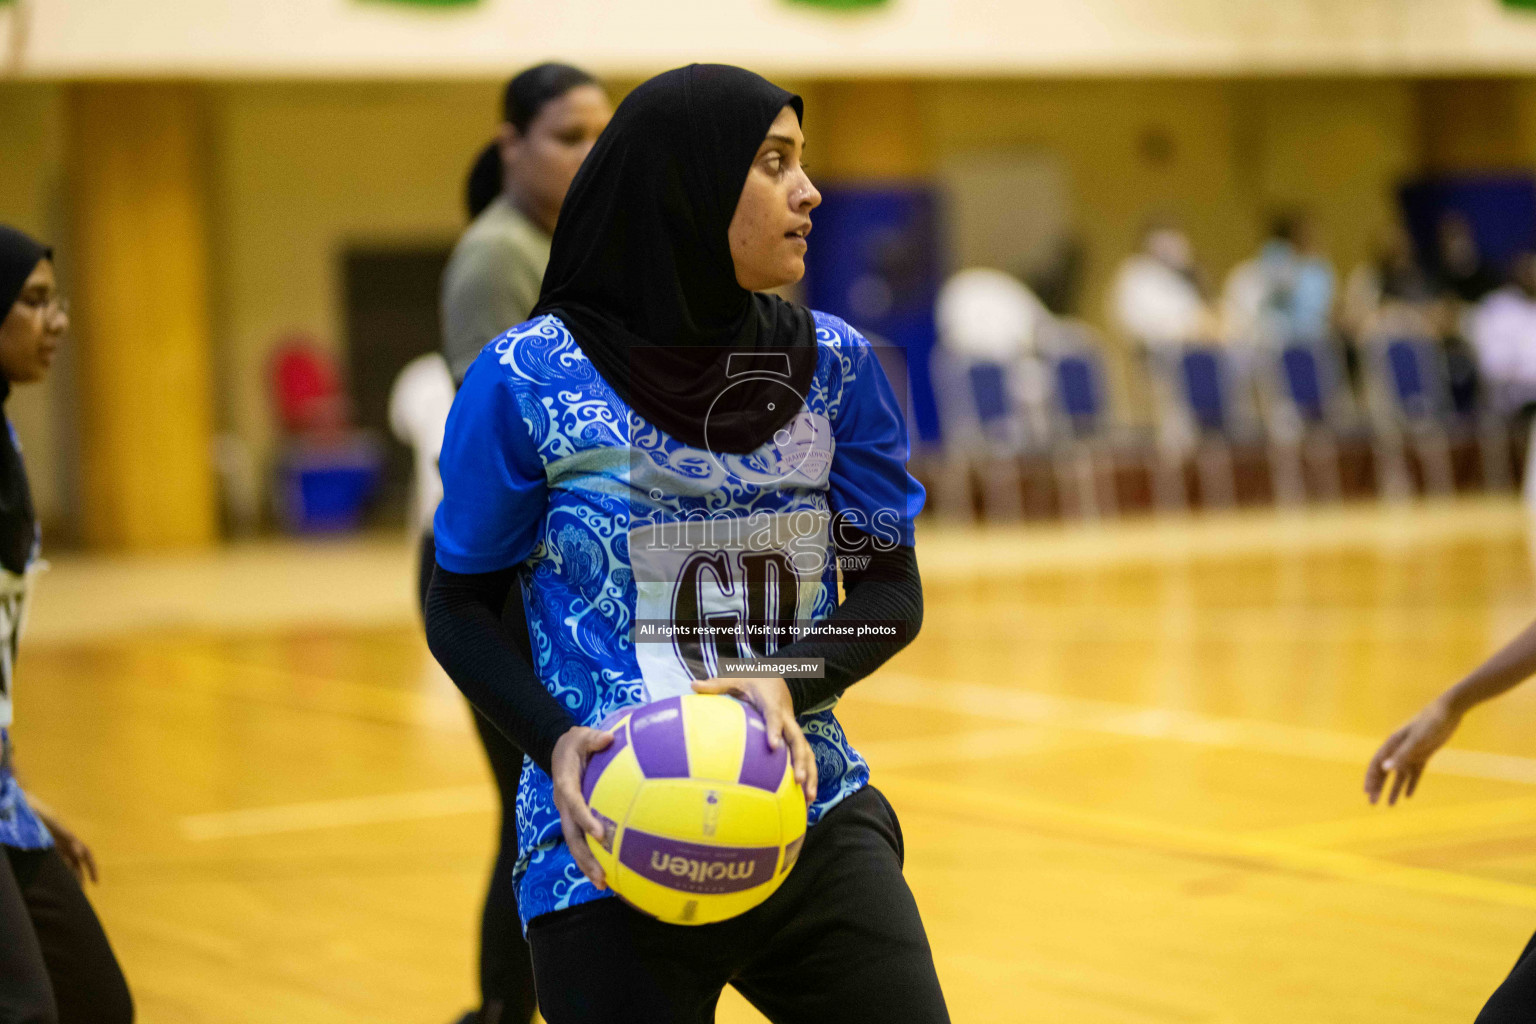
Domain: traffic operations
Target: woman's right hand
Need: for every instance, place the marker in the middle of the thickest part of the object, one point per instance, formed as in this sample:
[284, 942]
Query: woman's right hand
[566, 767]
[1407, 750]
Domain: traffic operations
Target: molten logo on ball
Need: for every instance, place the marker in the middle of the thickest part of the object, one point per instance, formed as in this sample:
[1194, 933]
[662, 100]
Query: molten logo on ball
[691, 867]
[708, 818]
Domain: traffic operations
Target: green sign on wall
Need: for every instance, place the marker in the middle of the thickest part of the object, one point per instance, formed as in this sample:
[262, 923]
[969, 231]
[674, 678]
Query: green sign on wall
[850, 5]
[1528, 5]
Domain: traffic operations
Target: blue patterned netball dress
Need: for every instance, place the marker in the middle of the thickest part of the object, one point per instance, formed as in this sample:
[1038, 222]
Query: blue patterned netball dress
[19, 826]
[624, 530]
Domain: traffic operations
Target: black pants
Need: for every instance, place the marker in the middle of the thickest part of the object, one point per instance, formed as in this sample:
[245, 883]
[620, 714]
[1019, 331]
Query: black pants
[841, 942]
[56, 966]
[1514, 1002]
[506, 968]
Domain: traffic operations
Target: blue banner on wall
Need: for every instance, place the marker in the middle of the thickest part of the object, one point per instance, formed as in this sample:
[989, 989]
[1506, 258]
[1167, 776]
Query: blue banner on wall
[1500, 209]
[874, 261]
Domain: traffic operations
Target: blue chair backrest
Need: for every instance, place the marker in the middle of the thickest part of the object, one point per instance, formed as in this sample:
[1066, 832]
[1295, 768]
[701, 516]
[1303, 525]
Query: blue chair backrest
[1409, 376]
[989, 390]
[1077, 381]
[1304, 380]
[1204, 387]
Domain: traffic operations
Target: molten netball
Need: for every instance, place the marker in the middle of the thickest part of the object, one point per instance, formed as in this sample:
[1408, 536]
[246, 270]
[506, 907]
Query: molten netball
[702, 821]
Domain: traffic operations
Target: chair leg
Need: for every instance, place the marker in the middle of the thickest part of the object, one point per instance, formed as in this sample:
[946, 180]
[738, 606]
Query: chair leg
[1390, 458]
[1528, 489]
[1434, 451]
[1169, 492]
[1218, 478]
[1002, 495]
[1286, 476]
[1493, 447]
[952, 484]
[1322, 457]
[1104, 477]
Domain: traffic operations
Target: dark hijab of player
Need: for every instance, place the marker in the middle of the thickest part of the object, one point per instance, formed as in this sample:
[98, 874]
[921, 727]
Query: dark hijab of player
[641, 273]
[19, 256]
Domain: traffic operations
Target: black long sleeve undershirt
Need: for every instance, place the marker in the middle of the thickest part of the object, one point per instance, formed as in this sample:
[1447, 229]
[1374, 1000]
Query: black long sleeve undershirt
[480, 653]
[477, 649]
[886, 590]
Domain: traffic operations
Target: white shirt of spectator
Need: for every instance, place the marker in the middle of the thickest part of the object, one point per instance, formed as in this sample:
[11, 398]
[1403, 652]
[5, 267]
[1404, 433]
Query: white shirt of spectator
[418, 414]
[1156, 305]
[989, 315]
[1503, 332]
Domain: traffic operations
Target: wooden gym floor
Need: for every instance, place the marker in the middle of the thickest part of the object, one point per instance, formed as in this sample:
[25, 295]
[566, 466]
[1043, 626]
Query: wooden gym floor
[1127, 760]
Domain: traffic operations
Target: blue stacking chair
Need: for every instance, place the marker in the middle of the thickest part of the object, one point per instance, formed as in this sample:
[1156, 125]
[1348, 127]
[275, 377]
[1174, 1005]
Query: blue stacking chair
[1199, 414]
[1409, 397]
[1089, 438]
[985, 433]
[1307, 406]
[1304, 382]
[1204, 375]
[991, 400]
[1083, 451]
[1412, 366]
[1080, 391]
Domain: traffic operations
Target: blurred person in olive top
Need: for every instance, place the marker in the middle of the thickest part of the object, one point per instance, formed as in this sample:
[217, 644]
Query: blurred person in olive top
[56, 966]
[553, 113]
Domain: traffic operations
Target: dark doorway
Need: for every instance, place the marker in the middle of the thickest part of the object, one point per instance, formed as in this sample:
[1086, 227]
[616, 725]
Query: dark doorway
[391, 296]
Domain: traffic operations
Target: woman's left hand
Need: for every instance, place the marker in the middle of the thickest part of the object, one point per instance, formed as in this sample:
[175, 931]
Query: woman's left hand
[71, 847]
[770, 695]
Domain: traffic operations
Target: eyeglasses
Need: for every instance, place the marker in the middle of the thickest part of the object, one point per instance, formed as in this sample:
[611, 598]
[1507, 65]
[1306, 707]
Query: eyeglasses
[50, 307]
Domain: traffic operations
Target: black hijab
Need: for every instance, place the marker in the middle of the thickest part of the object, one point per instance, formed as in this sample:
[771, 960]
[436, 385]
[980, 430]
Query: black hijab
[19, 256]
[640, 270]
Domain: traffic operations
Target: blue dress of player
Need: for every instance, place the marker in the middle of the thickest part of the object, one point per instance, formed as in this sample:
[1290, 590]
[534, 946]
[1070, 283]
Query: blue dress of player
[55, 961]
[665, 442]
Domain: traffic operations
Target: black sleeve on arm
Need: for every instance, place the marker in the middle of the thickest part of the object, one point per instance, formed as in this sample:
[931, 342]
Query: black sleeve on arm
[469, 639]
[887, 590]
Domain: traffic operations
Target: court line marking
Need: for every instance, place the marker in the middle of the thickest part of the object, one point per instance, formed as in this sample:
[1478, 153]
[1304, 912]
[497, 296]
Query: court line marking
[439, 803]
[942, 798]
[998, 702]
[343, 813]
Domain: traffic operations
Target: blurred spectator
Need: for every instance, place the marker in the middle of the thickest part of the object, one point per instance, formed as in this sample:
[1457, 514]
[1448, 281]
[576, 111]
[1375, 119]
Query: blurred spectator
[1158, 298]
[1390, 285]
[419, 402]
[1058, 280]
[485, 182]
[1503, 332]
[990, 329]
[553, 113]
[1462, 271]
[1389, 295]
[989, 315]
[1284, 292]
[1464, 278]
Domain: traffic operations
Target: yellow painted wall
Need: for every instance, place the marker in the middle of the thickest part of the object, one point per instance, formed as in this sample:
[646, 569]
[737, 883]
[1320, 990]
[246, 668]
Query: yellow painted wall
[137, 159]
[31, 198]
[300, 170]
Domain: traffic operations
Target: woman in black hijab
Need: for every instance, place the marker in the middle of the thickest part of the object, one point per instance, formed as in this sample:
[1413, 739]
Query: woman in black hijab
[657, 383]
[55, 961]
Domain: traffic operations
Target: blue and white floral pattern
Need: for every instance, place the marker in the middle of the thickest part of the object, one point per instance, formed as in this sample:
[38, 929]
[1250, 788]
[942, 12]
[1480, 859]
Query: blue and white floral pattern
[609, 474]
